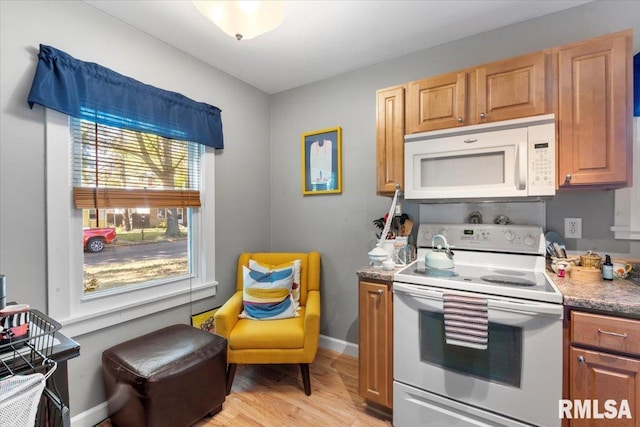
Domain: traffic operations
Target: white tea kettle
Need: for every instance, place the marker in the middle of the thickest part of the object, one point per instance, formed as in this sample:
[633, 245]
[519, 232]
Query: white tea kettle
[439, 257]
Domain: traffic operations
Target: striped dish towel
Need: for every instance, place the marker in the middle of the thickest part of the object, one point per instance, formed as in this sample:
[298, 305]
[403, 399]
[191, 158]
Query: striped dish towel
[466, 321]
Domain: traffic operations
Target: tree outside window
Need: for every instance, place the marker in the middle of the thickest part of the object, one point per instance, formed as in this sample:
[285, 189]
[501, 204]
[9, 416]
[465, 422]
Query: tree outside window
[133, 175]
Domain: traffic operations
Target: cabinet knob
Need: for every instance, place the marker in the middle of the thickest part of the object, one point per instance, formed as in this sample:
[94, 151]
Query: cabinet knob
[483, 116]
[380, 291]
[459, 119]
[567, 178]
[580, 359]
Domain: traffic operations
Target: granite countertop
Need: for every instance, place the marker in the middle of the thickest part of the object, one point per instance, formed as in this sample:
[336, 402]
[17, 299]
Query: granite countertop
[617, 297]
[371, 273]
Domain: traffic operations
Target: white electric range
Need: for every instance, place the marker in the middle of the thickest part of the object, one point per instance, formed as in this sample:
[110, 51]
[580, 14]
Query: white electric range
[517, 379]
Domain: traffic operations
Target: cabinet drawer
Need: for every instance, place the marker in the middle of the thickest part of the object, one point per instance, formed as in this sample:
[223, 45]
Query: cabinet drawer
[610, 333]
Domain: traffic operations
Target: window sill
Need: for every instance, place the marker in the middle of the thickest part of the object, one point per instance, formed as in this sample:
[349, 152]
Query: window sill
[80, 325]
[625, 233]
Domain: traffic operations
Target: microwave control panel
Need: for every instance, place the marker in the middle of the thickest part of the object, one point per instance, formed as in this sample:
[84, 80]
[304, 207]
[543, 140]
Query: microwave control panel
[542, 160]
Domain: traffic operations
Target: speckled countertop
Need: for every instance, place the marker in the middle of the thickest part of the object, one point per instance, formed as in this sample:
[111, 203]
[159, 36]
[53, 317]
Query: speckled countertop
[617, 297]
[370, 273]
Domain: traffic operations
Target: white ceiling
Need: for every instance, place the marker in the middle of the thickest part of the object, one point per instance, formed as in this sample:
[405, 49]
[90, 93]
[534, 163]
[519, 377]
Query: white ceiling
[321, 39]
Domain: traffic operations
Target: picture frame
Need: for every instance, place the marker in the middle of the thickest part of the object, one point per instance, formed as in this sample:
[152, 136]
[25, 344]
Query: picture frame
[205, 320]
[322, 161]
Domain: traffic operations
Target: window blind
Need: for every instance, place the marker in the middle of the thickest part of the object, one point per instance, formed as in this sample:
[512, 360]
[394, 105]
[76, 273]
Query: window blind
[120, 168]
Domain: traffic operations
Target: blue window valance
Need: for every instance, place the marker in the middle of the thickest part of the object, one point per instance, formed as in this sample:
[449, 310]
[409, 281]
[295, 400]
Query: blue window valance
[90, 91]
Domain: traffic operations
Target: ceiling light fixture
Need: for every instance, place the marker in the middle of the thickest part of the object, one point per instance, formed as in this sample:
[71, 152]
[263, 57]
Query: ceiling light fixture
[243, 19]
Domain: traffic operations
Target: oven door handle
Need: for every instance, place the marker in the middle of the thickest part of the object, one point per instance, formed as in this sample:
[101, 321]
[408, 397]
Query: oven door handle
[419, 296]
[527, 307]
[417, 291]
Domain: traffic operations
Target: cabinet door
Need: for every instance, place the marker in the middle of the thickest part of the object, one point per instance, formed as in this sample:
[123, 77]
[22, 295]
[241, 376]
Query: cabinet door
[437, 103]
[602, 376]
[390, 140]
[594, 112]
[512, 88]
[375, 349]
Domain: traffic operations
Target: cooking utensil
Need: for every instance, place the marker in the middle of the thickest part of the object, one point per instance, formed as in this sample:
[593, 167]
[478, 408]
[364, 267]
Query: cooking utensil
[439, 257]
[551, 238]
[558, 250]
[405, 228]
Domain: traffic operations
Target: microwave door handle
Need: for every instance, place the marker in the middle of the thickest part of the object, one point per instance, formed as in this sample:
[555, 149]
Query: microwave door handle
[521, 166]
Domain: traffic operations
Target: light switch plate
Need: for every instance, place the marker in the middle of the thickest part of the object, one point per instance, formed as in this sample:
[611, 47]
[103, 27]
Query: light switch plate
[573, 228]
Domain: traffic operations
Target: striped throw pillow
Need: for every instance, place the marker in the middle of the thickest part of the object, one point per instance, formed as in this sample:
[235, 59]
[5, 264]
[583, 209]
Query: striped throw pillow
[295, 288]
[267, 294]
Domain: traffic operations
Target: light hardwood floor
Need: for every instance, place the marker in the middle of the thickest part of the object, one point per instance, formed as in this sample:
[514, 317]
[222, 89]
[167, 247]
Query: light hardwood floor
[272, 395]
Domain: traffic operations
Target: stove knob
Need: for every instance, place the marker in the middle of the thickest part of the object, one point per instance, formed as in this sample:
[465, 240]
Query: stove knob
[509, 236]
[529, 240]
[428, 235]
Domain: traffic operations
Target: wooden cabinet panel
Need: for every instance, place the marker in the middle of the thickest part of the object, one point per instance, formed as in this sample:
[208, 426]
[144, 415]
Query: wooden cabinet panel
[512, 88]
[375, 351]
[606, 332]
[390, 140]
[603, 376]
[594, 112]
[437, 103]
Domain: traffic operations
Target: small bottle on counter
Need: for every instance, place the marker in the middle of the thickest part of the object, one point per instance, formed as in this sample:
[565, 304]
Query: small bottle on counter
[607, 268]
[561, 271]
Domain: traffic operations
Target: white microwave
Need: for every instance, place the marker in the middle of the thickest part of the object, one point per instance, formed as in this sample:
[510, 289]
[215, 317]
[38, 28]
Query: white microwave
[511, 159]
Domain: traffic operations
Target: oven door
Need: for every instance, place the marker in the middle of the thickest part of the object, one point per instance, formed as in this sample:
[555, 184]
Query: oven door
[518, 376]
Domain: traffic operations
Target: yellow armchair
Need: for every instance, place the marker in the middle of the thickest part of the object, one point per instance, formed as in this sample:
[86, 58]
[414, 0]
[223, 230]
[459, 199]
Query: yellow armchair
[293, 340]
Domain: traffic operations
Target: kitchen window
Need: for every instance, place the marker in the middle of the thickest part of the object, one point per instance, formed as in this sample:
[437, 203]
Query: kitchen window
[119, 177]
[82, 312]
[71, 88]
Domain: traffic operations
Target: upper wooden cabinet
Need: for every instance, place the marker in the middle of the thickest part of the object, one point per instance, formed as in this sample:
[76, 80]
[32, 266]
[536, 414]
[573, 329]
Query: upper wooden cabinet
[390, 140]
[502, 90]
[510, 89]
[594, 87]
[437, 103]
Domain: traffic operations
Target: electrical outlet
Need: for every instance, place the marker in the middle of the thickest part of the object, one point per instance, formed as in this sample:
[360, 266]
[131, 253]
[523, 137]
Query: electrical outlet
[573, 228]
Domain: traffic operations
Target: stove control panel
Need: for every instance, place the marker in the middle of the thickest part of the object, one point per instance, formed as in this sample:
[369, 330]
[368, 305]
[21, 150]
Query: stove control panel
[490, 237]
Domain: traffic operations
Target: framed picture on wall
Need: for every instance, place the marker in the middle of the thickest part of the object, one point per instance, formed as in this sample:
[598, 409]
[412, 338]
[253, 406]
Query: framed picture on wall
[322, 161]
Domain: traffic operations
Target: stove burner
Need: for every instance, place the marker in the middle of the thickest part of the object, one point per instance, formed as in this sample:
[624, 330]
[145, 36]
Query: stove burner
[509, 272]
[435, 272]
[507, 280]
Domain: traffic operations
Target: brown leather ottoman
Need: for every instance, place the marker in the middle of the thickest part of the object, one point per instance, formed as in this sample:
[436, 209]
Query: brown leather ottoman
[172, 377]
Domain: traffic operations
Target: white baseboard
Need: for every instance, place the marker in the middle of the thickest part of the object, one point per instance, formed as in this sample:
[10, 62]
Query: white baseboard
[98, 413]
[91, 416]
[338, 345]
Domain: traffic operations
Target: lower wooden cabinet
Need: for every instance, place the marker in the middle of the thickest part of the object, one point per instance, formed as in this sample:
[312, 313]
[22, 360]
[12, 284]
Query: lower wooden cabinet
[375, 350]
[600, 379]
[604, 372]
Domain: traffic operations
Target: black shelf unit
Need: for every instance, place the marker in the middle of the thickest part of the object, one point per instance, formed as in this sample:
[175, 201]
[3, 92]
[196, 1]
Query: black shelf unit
[31, 354]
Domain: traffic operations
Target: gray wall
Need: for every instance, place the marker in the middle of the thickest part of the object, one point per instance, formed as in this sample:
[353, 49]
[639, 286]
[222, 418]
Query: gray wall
[91, 35]
[256, 127]
[339, 226]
